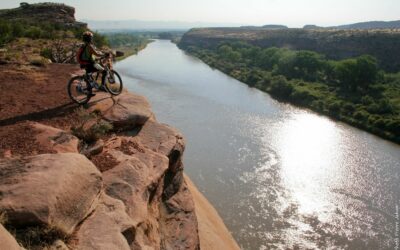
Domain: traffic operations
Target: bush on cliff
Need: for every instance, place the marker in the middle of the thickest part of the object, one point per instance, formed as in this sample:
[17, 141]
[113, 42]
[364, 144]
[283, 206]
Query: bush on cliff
[90, 127]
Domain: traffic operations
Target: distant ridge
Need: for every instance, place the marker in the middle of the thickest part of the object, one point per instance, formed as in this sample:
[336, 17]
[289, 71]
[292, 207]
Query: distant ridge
[275, 26]
[360, 26]
[372, 25]
[150, 25]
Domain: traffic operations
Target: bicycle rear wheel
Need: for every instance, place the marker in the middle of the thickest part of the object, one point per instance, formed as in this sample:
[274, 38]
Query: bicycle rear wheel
[112, 82]
[78, 90]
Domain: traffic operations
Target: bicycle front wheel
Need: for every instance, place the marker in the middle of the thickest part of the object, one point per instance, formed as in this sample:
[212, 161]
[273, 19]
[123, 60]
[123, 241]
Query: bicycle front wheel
[112, 82]
[78, 90]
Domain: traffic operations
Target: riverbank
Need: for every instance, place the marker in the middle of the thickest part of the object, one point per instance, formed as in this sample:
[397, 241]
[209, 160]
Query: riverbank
[38, 126]
[373, 109]
[130, 50]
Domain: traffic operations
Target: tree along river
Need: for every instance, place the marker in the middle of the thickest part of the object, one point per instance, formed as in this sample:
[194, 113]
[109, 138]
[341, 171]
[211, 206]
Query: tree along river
[280, 176]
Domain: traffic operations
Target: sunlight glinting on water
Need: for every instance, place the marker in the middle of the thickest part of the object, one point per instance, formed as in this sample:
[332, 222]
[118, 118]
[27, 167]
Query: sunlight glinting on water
[310, 154]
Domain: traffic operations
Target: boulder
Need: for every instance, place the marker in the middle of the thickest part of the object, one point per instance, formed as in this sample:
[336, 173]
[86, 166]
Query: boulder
[136, 181]
[7, 241]
[124, 111]
[53, 190]
[167, 141]
[161, 138]
[109, 227]
[55, 139]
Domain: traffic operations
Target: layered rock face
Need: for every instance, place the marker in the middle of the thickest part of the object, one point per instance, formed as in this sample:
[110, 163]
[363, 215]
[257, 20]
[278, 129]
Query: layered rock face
[129, 194]
[43, 12]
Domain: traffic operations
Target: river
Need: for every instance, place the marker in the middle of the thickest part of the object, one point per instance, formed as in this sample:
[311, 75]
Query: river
[281, 177]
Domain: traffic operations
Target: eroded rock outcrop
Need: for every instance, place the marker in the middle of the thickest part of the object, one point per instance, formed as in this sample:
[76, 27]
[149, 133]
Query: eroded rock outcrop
[147, 181]
[125, 111]
[109, 227]
[138, 200]
[60, 14]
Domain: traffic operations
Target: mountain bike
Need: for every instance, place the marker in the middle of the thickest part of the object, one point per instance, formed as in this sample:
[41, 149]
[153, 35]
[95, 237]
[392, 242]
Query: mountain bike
[80, 88]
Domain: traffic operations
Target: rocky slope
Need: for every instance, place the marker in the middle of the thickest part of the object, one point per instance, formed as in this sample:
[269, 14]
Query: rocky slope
[139, 201]
[335, 44]
[125, 190]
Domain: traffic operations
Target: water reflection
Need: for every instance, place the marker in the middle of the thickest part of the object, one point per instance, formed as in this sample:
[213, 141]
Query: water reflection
[310, 155]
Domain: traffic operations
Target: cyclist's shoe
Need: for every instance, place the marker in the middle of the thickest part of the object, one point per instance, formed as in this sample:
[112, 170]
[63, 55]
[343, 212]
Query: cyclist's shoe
[94, 84]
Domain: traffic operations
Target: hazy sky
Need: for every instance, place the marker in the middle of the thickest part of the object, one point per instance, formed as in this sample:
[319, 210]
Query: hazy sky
[294, 13]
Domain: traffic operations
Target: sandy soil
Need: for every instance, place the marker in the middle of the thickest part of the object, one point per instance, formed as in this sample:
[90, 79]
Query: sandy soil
[31, 93]
[212, 231]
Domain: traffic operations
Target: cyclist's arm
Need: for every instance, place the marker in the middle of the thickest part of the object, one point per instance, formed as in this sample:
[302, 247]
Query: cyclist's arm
[95, 52]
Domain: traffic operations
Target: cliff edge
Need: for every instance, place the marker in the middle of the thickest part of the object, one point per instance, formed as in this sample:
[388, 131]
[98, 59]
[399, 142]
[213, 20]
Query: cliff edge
[62, 189]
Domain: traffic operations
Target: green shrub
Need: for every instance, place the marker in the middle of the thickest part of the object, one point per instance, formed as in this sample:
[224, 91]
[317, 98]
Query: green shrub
[348, 108]
[301, 96]
[47, 53]
[33, 32]
[393, 125]
[381, 107]
[356, 73]
[361, 115]
[334, 108]
[280, 87]
[90, 127]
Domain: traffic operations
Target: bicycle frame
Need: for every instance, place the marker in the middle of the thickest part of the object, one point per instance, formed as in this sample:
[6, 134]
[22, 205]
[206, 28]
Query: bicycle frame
[106, 63]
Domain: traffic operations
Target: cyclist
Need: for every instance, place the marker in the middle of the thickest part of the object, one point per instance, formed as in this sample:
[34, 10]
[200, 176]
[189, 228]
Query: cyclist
[86, 57]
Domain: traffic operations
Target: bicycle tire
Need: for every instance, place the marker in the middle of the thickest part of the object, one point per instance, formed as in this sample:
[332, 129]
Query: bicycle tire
[107, 85]
[72, 87]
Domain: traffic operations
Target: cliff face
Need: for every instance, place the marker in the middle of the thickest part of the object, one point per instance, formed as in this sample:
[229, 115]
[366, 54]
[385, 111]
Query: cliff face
[127, 193]
[335, 44]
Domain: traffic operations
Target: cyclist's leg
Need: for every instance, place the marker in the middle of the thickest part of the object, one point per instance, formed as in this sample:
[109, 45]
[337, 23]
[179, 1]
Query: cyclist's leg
[89, 68]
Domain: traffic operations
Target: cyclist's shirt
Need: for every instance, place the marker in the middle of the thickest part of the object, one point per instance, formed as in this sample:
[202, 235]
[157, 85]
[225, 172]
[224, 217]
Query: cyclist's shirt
[88, 53]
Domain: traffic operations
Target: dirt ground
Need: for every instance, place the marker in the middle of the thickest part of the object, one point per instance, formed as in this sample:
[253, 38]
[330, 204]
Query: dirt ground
[30, 93]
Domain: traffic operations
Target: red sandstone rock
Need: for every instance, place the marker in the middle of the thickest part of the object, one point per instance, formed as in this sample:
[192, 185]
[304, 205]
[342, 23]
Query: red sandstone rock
[109, 227]
[7, 241]
[55, 139]
[179, 224]
[124, 111]
[57, 190]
